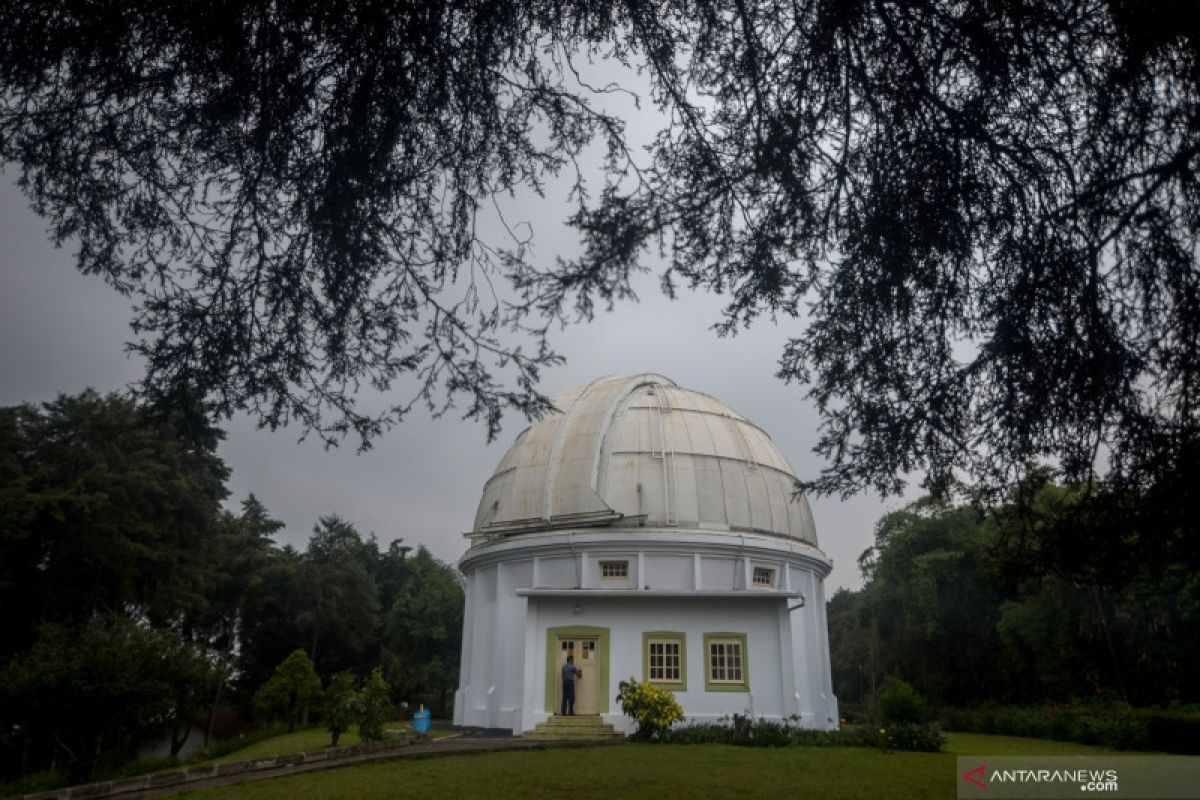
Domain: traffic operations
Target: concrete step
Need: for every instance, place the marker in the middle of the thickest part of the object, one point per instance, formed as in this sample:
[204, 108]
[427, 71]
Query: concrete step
[555, 736]
[579, 729]
[551, 733]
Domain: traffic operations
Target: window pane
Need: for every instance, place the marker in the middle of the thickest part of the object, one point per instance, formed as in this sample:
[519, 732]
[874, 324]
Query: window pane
[614, 569]
[663, 660]
[726, 661]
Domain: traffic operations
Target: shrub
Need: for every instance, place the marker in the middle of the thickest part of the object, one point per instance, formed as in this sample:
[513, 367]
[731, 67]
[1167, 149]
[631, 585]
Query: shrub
[652, 707]
[786, 733]
[42, 781]
[901, 703]
[769, 733]
[372, 705]
[288, 693]
[1173, 732]
[1060, 724]
[851, 713]
[340, 705]
[911, 737]
[1116, 726]
[699, 733]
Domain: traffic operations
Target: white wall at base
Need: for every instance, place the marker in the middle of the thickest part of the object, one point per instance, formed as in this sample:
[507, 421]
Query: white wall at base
[491, 692]
[628, 618]
[503, 677]
[817, 706]
[466, 662]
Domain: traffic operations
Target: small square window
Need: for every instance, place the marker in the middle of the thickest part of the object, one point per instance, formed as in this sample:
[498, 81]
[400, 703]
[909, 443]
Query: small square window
[764, 576]
[614, 570]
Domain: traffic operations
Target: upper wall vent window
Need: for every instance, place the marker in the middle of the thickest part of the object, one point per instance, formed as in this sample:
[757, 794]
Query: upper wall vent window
[764, 576]
[614, 569]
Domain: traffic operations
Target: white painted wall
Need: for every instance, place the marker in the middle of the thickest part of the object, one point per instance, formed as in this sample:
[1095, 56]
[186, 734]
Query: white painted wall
[503, 679]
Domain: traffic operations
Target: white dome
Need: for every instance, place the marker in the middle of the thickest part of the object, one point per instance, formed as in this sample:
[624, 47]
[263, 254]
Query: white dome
[641, 451]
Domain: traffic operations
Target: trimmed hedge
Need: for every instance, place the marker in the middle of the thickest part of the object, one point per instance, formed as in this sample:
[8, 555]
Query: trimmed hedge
[1118, 727]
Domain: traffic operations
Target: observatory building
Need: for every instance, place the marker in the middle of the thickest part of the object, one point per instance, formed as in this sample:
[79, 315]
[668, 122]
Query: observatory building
[650, 531]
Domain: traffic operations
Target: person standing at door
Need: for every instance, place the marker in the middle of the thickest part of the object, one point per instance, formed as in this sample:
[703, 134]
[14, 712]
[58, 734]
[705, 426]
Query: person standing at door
[569, 673]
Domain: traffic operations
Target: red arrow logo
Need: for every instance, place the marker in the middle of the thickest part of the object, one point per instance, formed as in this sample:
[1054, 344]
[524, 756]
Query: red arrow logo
[977, 771]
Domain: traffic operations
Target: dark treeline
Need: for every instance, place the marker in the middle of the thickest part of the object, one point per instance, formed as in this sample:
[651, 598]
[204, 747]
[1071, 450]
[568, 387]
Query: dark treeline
[973, 606]
[133, 603]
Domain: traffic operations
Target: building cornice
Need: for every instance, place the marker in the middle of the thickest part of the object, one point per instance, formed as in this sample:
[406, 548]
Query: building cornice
[651, 541]
[579, 594]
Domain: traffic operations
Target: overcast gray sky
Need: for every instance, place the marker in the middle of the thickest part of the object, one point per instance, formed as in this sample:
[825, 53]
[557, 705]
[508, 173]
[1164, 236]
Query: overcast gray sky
[61, 332]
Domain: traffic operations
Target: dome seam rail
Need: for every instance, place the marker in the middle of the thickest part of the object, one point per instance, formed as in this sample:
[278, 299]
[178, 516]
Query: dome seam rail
[560, 436]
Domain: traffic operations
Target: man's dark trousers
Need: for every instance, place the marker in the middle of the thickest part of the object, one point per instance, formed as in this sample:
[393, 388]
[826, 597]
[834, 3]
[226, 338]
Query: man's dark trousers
[568, 701]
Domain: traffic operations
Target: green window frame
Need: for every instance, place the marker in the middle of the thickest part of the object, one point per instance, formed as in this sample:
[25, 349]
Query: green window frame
[652, 661]
[726, 662]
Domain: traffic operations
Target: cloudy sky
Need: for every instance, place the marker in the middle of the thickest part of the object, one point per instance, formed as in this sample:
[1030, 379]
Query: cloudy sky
[61, 332]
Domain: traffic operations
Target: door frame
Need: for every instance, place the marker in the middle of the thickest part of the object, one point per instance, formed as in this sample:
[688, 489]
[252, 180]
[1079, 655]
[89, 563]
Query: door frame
[580, 632]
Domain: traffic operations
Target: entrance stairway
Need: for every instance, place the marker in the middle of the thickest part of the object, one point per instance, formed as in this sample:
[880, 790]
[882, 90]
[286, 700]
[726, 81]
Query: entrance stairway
[583, 728]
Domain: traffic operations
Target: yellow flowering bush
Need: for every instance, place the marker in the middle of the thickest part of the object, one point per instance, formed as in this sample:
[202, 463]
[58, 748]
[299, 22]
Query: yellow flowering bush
[652, 707]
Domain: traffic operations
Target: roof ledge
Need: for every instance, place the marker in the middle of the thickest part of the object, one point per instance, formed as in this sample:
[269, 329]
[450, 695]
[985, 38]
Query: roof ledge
[761, 594]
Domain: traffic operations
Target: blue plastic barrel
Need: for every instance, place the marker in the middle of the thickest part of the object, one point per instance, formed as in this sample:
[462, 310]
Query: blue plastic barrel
[421, 723]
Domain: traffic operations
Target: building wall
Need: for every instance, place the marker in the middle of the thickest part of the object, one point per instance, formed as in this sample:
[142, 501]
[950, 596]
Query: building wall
[628, 618]
[503, 679]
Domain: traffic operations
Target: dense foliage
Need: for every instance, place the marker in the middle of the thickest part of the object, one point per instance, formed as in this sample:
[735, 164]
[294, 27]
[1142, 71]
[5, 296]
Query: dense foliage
[985, 214]
[104, 507]
[745, 732]
[900, 704]
[1118, 727]
[290, 691]
[339, 703]
[372, 705]
[653, 708]
[954, 605]
[88, 696]
[134, 606]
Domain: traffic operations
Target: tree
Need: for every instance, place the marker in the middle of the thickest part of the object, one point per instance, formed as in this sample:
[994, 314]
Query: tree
[108, 506]
[270, 631]
[934, 597]
[852, 654]
[989, 210]
[953, 607]
[340, 705]
[290, 691]
[423, 632]
[240, 558]
[373, 703]
[338, 598]
[85, 697]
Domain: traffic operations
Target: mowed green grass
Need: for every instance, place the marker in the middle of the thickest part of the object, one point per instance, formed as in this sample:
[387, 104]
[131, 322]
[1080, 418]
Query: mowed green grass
[653, 771]
[981, 744]
[306, 741]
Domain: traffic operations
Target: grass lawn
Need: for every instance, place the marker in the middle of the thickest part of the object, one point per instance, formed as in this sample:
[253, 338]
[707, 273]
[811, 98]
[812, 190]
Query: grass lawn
[982, 744]
[307, 740]
[654, 771]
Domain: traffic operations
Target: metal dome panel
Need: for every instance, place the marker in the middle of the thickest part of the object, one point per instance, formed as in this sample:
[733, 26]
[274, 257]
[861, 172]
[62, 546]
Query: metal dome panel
[640, 450]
